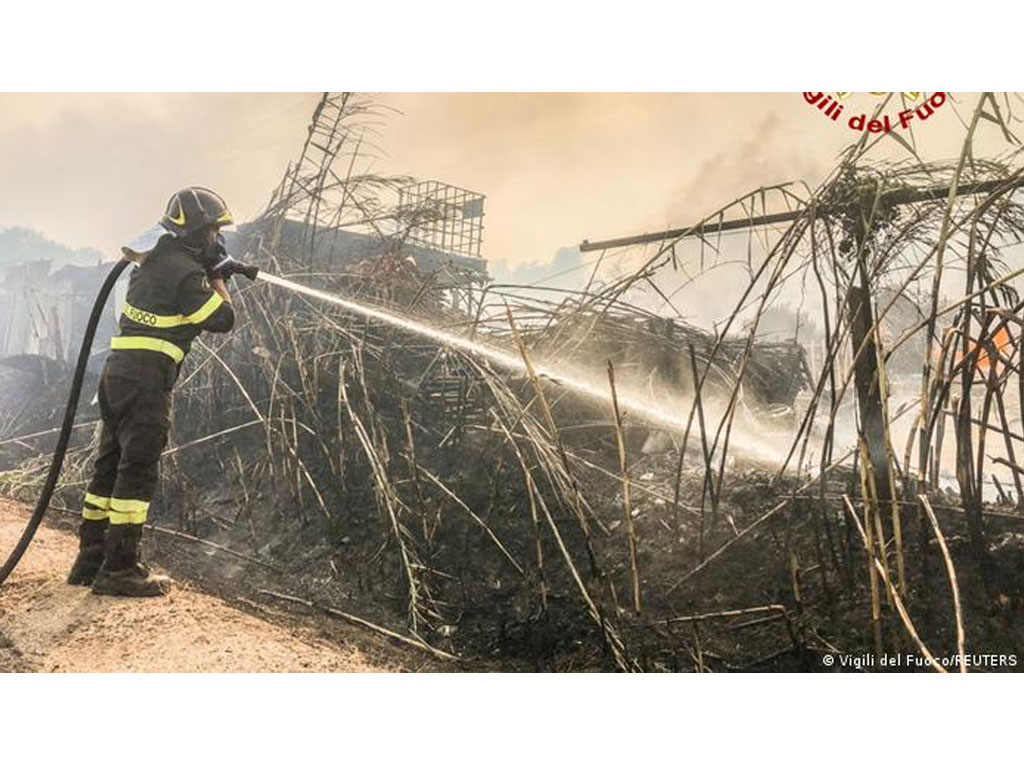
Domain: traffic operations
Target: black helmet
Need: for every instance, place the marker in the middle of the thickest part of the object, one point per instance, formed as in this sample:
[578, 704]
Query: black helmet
[193, 208]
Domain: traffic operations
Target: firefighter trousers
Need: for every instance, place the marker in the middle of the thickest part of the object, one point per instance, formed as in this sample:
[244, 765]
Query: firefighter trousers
[135, 404]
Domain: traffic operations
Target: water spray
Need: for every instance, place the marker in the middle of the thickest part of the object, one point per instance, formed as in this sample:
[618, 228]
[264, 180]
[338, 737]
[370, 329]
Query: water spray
[669, 420]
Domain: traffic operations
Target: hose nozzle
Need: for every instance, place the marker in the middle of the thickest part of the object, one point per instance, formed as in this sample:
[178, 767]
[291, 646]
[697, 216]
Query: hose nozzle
[248, 270]
[229, 266]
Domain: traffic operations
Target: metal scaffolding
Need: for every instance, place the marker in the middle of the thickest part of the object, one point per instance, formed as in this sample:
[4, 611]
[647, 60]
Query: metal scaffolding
[443, 217]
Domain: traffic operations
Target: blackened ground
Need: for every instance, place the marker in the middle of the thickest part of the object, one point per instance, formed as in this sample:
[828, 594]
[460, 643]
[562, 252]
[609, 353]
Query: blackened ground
[806, 558]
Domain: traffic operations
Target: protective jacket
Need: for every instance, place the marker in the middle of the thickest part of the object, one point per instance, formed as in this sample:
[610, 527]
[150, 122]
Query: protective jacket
[169, 302]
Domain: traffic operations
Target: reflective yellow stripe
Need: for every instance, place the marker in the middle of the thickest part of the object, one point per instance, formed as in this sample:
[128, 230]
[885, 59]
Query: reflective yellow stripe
[206, 310]
[94, 514]
[153, 320]
[127, 518]
[99, 502]
[128, 505]
[145, 342]
[128, 511]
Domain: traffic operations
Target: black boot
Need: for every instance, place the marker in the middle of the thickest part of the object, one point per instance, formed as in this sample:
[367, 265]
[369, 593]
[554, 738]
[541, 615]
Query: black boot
[122, 572]
[90, 552]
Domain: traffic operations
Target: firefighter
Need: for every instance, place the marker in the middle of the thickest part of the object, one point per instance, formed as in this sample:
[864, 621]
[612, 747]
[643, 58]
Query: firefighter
[176, 292]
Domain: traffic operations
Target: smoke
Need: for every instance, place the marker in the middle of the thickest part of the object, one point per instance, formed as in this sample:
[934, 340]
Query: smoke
[557, 168]
[769, 154]
[666, 412]
[560, 168]
[94, 169]
[18, 244]
[567, 271]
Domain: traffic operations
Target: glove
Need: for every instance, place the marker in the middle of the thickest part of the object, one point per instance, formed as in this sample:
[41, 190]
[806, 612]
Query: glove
[228, 266]
[220, 265]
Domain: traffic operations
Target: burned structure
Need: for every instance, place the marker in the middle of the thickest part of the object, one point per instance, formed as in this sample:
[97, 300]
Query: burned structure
[332, 215]
[43, 311]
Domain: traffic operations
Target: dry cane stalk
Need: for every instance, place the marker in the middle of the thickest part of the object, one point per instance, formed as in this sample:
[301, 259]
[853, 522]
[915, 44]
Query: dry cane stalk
[531, 491]
[617, 648]
[876, 609]
[897, 528]
[627, 512]
[708, 486]
[900, 608]
[300, 465]
[553, 427]
[415, 643]
[612, 639]
[953, 585]
[386, 496]
[873, 521]
[774, 607]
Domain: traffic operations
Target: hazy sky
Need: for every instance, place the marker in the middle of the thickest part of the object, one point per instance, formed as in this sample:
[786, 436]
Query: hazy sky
[93, 169]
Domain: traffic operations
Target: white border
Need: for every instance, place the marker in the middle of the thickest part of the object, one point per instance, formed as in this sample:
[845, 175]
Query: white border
[470, 45]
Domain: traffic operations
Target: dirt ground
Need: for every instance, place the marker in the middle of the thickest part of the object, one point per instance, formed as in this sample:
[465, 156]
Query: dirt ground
[48, 626]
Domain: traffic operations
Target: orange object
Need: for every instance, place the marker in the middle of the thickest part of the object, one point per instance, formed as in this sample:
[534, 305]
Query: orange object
[1001, 340]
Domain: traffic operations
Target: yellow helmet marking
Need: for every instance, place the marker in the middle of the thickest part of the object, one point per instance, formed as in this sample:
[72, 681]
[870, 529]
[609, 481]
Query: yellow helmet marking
[180, 218]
